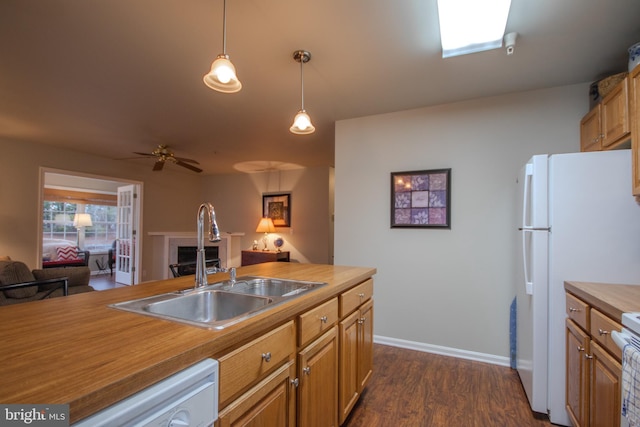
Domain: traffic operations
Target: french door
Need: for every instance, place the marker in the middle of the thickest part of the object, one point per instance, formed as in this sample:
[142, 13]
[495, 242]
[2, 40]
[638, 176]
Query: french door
[126, 235]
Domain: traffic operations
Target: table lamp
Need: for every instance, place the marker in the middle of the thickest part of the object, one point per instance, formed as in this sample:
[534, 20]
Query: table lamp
[265, 226]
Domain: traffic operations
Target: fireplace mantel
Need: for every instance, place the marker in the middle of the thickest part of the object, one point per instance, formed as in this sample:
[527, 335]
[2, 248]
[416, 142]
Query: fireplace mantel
[228, 247]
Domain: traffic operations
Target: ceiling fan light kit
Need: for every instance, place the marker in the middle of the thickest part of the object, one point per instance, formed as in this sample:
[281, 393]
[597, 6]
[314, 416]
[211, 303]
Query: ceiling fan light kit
[302, 122]
[222, 76]
[162, 154]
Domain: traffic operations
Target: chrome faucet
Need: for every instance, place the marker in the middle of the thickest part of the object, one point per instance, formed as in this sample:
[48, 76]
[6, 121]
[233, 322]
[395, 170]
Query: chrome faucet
[214, 236]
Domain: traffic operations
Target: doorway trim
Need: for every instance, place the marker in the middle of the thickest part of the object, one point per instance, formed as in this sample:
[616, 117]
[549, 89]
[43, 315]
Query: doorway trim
[123, 181]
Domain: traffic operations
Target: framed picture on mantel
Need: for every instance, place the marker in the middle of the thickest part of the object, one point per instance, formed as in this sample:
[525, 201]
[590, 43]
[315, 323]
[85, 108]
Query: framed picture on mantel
[278, 208]
[421, 199]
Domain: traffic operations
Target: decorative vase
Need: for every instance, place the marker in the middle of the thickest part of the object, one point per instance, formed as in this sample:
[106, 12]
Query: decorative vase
[634, 56]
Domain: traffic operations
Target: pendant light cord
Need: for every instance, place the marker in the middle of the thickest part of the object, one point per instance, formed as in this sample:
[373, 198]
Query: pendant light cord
[302, 81]
[224, 27]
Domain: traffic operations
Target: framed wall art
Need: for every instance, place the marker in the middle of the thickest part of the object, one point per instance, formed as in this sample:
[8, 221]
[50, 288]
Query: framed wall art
[421, 199]
[278, 208]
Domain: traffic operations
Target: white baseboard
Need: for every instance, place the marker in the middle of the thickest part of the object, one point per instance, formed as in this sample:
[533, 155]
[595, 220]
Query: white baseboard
[445, 351]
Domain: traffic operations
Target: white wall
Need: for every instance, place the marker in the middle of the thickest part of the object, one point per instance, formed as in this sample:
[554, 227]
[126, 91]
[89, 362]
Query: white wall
[449, 288]
[237, 200]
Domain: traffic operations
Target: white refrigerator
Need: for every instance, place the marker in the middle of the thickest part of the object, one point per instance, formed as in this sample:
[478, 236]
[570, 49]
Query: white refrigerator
[579, 222]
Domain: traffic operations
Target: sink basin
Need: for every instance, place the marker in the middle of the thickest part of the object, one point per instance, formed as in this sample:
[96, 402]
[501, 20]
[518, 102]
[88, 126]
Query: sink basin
[208, 306]
[265, 286]
[220, 304]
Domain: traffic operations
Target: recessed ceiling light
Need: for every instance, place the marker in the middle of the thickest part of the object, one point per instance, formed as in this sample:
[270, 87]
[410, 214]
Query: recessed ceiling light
[468, 26]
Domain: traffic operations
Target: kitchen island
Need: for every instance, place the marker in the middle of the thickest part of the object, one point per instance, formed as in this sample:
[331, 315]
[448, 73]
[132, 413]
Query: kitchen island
[78, 351]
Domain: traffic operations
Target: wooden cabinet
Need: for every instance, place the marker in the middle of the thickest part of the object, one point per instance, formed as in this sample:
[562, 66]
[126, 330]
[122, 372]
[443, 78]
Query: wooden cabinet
[604, 408]
[318, 382]
[270, 403]
[615, 115]
[634, 95]
[259, 372]
[258, 257]
[607, 125]
[590, 139]
[593, 366]
[294, 374]
[577, 392]
[356, 345]
[318, 366]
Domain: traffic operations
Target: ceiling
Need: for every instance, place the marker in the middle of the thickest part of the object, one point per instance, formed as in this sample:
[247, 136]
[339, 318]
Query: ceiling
[110, 77]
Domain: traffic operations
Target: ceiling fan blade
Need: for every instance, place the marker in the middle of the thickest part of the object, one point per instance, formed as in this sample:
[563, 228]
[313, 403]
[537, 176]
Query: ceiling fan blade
[143, 154]
[188, 166]
[182, 159]
[158, 165]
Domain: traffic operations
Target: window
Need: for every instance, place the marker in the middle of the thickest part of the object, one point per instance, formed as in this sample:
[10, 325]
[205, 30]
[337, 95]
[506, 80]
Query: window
[58, 224]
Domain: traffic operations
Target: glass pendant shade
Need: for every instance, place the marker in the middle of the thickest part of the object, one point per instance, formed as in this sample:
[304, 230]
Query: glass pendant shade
[222, 76]
[302, 124]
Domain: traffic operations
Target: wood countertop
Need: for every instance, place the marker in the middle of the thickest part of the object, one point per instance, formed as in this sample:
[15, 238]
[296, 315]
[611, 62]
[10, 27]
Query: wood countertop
[611, 299]
[76, 350]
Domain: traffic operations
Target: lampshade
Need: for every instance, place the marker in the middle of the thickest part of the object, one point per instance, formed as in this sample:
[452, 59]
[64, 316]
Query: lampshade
[265, 226]
[302, 122]
[222, 76]
[82, 220]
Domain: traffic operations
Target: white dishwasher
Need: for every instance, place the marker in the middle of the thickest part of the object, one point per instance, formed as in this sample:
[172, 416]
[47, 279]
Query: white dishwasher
[187, 398]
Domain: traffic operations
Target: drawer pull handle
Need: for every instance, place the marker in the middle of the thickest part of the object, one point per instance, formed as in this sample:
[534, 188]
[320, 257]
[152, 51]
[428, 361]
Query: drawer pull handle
[588, 357]
[574, 310]
[307, 370]
[295, 382]
[266, 357]
[362, 320]
[580, 348]
[601, 332]
[324, 319]
[361, 295]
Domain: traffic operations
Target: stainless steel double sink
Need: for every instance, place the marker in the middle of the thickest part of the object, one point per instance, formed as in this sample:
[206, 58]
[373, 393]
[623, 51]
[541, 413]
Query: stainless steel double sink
[220, 304]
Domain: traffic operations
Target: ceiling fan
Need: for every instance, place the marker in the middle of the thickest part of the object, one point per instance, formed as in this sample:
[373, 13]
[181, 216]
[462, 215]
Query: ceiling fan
[163, 154]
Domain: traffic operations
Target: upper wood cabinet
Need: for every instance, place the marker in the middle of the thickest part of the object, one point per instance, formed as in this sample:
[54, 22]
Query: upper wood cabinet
[607, 126]
[634, 95]
[615, 116]
[590, 139]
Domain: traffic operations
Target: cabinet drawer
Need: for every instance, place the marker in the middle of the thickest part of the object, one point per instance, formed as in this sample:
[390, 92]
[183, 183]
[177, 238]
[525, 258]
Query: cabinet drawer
[578, 311]
[249, 363]
[351, 299]
[601, 327]
[317, 320]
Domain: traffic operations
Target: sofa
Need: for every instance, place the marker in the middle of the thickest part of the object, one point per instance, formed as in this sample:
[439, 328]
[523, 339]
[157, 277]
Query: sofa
[19, 284]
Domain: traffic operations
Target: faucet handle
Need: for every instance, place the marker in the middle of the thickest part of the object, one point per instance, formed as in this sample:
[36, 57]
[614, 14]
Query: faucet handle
[232, 274]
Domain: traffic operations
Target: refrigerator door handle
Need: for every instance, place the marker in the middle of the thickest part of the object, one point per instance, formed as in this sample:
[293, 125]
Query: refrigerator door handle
[534, 229]
[528, 283]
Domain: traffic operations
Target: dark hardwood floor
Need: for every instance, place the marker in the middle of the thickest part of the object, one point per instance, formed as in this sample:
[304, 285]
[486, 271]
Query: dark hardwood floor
[417, 389]
[103, 281]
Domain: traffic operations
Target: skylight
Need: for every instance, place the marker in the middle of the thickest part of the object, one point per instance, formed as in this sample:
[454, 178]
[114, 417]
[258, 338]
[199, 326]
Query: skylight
[468, 26]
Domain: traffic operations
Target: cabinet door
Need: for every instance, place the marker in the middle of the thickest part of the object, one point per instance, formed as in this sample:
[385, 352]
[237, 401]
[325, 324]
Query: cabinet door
[634, 88]
[590, 131]
[348, 364]
[615, 115]
[577, 391]
[271, 403]
[605, 388]
[365, 345]
[318, 382]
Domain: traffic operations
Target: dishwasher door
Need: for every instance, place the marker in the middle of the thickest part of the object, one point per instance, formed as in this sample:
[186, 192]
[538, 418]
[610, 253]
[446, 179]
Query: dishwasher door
[187, 398]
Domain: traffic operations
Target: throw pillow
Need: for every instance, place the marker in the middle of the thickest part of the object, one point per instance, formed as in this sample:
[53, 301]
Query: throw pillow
[67, 253]
[13, 272]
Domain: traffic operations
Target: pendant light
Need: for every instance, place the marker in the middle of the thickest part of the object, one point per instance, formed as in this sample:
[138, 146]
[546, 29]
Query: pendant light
[302, 122]
[222, 76]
